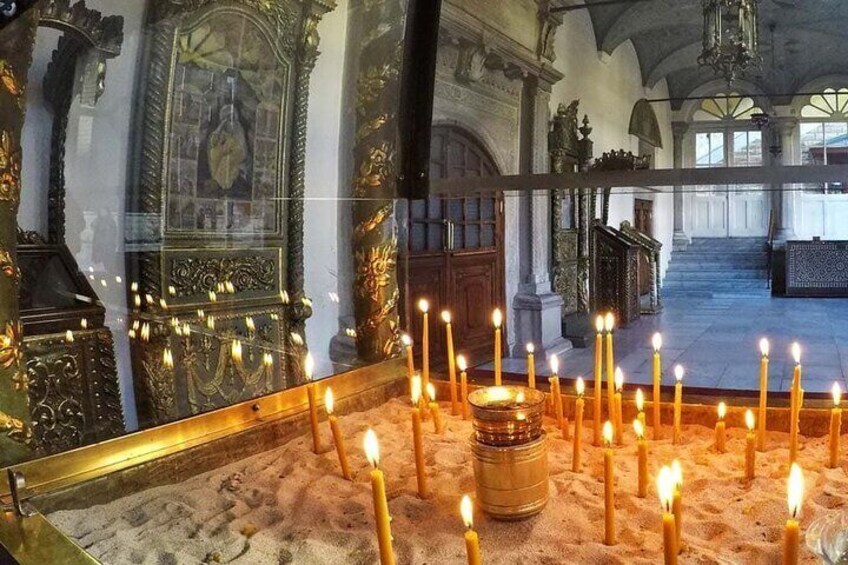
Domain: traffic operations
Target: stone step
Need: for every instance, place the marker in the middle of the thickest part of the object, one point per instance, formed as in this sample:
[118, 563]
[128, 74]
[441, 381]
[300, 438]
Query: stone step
[714, 284]
[690, 293]
[678, 272]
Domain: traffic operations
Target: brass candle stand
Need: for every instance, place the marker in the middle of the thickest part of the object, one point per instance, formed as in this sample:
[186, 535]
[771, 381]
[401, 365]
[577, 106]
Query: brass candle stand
[510, 451]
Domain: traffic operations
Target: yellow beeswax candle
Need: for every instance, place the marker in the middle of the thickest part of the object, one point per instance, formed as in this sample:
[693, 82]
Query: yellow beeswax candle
[599, 353]
[657, 343]
[497, 321]
[677, 502]
[337, 434]
[424, 307]
[381, 505]
[463, 385]
[580, 388]
[609, 325]
[750, 446]
[640, 407]
[720, 429]
[446, 318]
[472, 540]
[438, 423]
[642, 459]
[418, 438]
[763, 407]
[618, 420]
[665, 488]
[678, 402]
[556, 396]
[410, 360]
[609, 487]
[795, 404]
[308, 370]
[792, 531]
[531, 365]
[835, 426]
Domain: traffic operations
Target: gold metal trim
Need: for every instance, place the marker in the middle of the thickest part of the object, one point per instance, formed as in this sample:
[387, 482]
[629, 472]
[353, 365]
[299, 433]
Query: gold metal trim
[35, 541]
[86, 463]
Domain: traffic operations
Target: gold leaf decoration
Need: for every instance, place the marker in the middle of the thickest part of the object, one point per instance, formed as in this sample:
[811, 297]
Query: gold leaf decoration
[375, 266]
[373, 171]
[10, 168]
[8, 80]
[10, 348]
[8, 267]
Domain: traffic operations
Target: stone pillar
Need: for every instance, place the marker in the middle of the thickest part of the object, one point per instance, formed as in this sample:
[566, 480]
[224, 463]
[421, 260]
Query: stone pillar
[15, 58]
[783, 196]
[537, 309]
[679, 240]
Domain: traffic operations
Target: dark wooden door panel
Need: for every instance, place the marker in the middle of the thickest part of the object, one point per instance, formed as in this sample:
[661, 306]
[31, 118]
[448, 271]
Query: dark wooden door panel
[643, 220]
[428, 279]
[475, 293]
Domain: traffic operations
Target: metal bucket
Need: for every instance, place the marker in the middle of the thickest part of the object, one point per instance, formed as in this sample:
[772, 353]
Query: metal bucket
[512, 482]
[500, 421]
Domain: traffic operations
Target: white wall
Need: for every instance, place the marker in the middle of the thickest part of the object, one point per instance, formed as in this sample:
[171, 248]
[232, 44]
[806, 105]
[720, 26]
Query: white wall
[608, 86]
[323, 188]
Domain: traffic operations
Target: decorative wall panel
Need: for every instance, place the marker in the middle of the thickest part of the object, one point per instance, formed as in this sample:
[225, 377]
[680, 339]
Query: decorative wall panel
[817, 268]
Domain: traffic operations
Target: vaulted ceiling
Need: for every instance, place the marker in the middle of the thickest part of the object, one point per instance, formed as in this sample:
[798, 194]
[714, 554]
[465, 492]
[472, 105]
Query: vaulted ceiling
[800, 40]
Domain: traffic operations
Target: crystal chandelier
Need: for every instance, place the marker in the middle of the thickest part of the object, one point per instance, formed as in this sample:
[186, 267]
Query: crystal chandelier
[731, 38]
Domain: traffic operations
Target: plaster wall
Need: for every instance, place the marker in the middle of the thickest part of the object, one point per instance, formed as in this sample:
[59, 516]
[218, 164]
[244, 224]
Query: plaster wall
[608, 86]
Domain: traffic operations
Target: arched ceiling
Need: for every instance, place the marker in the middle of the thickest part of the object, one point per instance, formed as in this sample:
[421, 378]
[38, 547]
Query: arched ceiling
[800, 40]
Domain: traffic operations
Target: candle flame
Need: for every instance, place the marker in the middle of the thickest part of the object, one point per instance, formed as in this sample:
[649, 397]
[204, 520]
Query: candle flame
[678, 372]
[497, 394]
[580, 386]
[210, 322]
[677, 473]
[609, 322]
[431, 392]
[69, 336]
[640, 400]
[213, 296]
[134, 286]
[836, 391]
[415, 389]
[328, 400]
[308, 366]
[520, 398]
[665, 487]
[200, 313]
[656, 341]
[284, 297]
[750, 421]
[163, 304]
[235, 350]
[608, 432]
[497, 317]
[172, 290]
[372, 448]
[406, 340]
[618, 380]
[599, 324]
[554, 365]
[186, 330]
[84, 323]
[250, 324]
[268, 360]
[446, 316]
[466, 509]
[461, 363]
[531, 349]
[722, 410]
[423, 305]
[764, 347]
[168, 358]
[796, 352]
[795, 488]
[638, 428]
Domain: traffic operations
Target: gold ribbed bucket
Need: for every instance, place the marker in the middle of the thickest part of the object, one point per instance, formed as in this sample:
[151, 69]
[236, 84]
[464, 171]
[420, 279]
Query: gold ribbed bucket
[512, 482]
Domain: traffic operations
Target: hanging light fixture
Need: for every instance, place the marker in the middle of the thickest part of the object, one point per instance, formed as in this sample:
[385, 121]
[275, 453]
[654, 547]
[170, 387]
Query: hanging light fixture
[731, 38]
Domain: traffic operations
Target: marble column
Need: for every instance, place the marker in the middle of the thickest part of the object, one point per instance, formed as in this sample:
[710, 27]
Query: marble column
[679, 239]
[783, 196]
[537, 309]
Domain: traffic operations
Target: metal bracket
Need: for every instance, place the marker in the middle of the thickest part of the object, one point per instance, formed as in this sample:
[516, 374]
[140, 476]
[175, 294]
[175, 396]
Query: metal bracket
[17, 485]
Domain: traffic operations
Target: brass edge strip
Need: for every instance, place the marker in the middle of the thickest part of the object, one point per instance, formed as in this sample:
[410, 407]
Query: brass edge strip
[35, 541]
[66, 469]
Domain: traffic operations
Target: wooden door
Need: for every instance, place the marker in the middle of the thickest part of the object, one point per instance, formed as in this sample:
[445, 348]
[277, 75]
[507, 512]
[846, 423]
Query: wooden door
[456, 251]
[643, 220]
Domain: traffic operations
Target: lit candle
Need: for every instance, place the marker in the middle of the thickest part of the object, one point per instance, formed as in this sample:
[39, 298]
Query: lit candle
[410, 362]
[720, 429]
[137, 301]
[609, 487]
[446, 318]
[210, 322]
[438, 424]
[334, 429]
[228, 286]
[580, 387]
[148, 298]
[472, 540]
[308, 369]
[678, 401]
[657, 343]
[750, 445]
[665, 488]
[69, 336]
[677, 503]
[795, 404]
[84, 323]
[250, 324]
[761, 418]
[640, 407]
[792, 532]
[642, 458]
[145, 332]
[463, 385]
[134, 286]
[268, 361]
[236, 352]
[424, 306]
[172, 290]
[201, 314]
[531, 366]
[609, 325]
[556, 395]
[835, 426]
[168, 358]
[599, 355]
[497, 320]
[418, 437]
[163, 304]
[381, 505]
[284, 297]
[213, 296]
[618, 419]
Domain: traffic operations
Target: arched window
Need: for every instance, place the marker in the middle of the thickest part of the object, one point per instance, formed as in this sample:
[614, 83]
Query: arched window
[726, 107]
[824, 133]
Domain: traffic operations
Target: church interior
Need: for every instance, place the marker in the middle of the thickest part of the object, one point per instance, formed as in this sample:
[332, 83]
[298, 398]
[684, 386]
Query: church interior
[418, 281]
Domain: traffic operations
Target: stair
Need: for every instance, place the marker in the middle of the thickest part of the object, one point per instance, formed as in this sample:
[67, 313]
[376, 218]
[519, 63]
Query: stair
[719, 267]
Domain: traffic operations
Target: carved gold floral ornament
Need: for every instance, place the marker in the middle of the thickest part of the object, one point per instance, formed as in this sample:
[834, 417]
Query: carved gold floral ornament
[375, 266]
[15, 429]
[8, 267]
[10, 82]
[373, 171]
[10, 168]
[11, 354]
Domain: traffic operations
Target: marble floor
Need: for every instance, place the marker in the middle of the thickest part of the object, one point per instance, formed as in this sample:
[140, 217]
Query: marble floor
[716, 340]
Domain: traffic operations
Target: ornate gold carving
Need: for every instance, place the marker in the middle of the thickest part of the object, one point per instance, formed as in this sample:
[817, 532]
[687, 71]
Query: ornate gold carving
[372, 82]
[193, 276]
[374, 170]
[11, 83]
[160, 385]
[8, 266]
[374, 221]
[374, 270]
[10, 168]
[371, 126]
[15, 429]
[10, 345]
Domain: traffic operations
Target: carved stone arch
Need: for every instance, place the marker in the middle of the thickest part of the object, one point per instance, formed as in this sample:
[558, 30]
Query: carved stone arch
[486, 142]
[644, 124]
[816, 85]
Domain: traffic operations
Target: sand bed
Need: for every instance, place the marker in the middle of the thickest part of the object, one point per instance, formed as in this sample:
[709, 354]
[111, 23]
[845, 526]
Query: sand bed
[290, 506]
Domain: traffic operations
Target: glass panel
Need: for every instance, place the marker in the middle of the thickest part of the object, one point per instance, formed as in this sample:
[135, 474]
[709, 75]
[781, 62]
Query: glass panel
[487, 212]
[472, 208]
[487, 236]
[472, 236]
